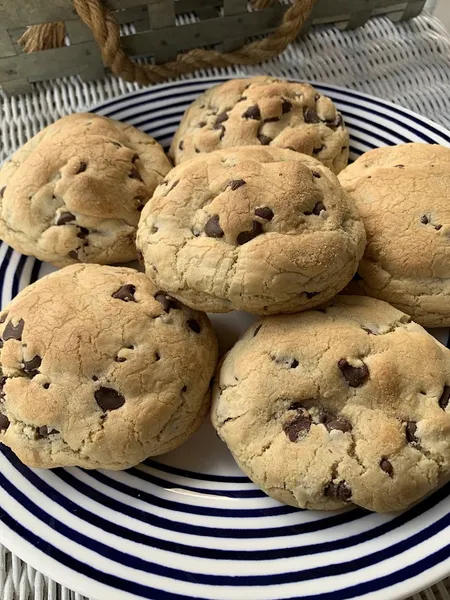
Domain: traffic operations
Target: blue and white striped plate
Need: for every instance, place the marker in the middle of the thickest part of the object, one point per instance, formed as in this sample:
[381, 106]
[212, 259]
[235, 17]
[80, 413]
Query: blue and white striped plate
[190, 525]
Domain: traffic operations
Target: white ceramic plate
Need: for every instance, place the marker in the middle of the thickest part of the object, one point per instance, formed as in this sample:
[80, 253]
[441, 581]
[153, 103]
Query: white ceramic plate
[190, 525]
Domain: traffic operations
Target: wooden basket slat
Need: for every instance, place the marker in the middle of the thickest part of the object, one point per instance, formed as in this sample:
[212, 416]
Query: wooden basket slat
[210, 32]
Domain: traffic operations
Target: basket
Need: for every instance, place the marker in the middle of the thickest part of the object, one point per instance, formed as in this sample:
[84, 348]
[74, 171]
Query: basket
[81, 37]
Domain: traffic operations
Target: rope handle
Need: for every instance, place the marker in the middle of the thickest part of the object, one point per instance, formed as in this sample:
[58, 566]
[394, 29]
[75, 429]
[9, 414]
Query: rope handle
[106, 32]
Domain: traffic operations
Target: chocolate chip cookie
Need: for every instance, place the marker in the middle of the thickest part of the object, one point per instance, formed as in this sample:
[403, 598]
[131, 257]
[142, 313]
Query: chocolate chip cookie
[347, 404]
[75, 191]
[264, 111]
[101, 369]
[264, 230]
[402, 193]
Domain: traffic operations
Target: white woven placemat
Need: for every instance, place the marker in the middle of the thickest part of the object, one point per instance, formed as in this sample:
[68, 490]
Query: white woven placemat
[407, 63]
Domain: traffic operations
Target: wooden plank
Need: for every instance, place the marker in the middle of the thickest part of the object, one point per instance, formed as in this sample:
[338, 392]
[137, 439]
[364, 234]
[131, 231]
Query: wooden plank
[6, 45]
[20, 13]
[205, 33]
[162, 15]
[48, 63]
[16, 86]
[233, 7]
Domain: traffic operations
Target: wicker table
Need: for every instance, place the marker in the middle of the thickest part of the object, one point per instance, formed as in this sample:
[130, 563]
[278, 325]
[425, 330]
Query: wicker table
[407, 63]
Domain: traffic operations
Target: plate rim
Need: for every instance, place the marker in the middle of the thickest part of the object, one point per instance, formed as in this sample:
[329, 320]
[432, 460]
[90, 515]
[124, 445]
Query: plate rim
[50, 567]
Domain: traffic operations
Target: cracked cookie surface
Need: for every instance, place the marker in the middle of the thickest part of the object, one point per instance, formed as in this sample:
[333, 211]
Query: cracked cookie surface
[264, 230]
[345, 404]
[402, 195]
[263, 111]
[100, 369]
[74, 192]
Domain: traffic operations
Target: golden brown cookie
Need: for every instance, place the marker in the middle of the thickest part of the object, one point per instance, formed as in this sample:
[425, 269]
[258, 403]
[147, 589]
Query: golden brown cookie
[100, 369]
[74, 192]
[346, 404]
[263, 111]
[402, 193]
[264, 230]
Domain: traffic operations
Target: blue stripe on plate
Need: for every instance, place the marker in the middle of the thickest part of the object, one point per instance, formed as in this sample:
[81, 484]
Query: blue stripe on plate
[135, 562]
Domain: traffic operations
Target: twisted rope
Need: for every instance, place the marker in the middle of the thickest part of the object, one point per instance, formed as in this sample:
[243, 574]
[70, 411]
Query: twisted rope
[106, 33]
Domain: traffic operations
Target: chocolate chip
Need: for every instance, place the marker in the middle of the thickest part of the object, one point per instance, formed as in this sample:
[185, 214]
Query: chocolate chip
[64, 218]
[386, 466]
[318, 208]
[134, 158]
[265, 213]
[338, 424]
[120, 359]
[272, 120]
[94, 378]
[181, 145]
[157, 356]
[297, 427]
[42, 432]
[46, 386]
[316, 174]
[197, 151]
[264, 139]
[334, 123]
[252, 112]
[212, 227]
[184, 388]
[247, 236]
[424, 220]
[73, 254]
[166, 301]
[310, 116]
[2, 191]
[134, 174]
[355, 376]
[437, 227]
[294, 364]
[82, 233]
[81, 168]
[401, 166]
[318, 150]
[109, 399]
[410, 432]
[445, 397]
[125, 293]
[257, 330]
[222, 133]
[341, 491]
[194, 325]
[236, 184]
[4, 422]
[3, 317]
[13, 332]
[31, 366]
[285, 106]
[221, 118]
[201, 124]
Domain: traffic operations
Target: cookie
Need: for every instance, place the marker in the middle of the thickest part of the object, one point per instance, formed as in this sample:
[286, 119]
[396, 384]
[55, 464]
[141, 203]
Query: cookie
[346, 405]
[100, 369]
[263, 111]
[75, 191]
[264, 230]
[402, 195]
